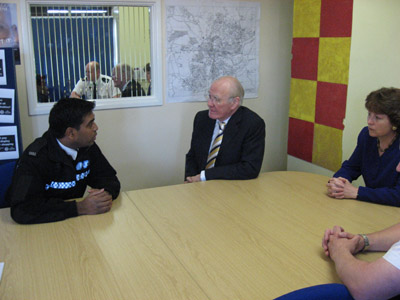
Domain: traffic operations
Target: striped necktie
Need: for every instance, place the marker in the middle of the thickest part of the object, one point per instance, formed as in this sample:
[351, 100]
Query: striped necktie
[94, 91]
[212, 156]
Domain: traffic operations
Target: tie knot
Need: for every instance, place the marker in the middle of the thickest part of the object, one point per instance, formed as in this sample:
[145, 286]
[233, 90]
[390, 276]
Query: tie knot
[222, 126]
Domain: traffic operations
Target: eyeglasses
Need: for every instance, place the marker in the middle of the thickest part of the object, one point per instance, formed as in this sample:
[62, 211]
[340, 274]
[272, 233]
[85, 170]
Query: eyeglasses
[215, 99]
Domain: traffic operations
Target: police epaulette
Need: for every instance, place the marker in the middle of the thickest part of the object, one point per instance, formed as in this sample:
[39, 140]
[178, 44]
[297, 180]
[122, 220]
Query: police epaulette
[37, 146]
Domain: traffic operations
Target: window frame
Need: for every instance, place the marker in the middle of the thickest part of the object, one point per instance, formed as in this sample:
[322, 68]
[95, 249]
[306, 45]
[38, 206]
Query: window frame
[155, 99]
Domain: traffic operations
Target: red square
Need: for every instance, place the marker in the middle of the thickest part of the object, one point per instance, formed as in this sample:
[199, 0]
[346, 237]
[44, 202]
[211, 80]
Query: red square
[336, 18]
[330, 108]
[301, 137]
[305, 58]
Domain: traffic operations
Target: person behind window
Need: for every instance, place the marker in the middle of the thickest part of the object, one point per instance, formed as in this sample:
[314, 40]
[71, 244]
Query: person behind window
[148, 77]
[94, 85]
[241, 130]
[59, 166]
[376, 155]
[42, 91]
[123, 79]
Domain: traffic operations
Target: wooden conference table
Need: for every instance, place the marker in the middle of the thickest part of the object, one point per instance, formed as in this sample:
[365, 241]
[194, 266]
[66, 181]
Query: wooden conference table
[254, 239]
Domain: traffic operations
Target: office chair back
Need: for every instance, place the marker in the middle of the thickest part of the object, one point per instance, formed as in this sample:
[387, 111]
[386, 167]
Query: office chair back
[6, 174]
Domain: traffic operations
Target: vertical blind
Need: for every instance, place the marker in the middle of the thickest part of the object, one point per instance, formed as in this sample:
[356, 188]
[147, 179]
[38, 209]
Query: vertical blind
[65, 39]
[134, 42]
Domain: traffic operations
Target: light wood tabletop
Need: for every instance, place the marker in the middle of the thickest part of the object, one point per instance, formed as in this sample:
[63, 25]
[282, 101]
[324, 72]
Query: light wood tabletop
[256, 239]
[111, 256]
[253, 239]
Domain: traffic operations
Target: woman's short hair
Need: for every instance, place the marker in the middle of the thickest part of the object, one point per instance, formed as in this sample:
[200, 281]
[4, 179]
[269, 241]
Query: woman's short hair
[385, 101]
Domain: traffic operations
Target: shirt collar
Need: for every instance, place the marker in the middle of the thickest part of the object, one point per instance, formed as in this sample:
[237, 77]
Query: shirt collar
[125, 85]
[97, 82]
[225, 121]
[71, 152]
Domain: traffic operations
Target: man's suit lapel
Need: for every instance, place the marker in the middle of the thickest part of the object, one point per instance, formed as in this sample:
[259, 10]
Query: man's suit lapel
[207, 133]
[127, 91]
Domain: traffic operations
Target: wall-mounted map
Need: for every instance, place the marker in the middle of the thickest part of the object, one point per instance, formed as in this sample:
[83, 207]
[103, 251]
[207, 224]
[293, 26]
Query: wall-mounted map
[206, 40]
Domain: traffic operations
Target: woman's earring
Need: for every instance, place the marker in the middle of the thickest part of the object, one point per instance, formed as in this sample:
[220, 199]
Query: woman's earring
[394, 128]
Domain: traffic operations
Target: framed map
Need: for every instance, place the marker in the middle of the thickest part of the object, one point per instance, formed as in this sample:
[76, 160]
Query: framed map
[206, 40]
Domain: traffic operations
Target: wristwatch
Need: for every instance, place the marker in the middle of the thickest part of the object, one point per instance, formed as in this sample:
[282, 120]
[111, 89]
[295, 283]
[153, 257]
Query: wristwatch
[366, 242]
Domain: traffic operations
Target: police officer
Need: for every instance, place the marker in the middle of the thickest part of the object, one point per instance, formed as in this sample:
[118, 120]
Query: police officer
[59, 166]
[94, 85]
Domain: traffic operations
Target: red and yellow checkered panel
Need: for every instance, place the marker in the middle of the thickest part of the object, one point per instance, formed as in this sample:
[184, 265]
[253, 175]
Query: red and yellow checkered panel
[301, 132]
[330, 105]
[305, 58]
[336, 18]
[320, 71]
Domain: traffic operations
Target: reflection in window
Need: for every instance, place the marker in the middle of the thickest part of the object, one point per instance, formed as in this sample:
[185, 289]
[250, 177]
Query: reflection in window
[67, 38]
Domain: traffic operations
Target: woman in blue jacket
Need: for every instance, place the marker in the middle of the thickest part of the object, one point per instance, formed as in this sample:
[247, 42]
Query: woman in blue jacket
[376, 156]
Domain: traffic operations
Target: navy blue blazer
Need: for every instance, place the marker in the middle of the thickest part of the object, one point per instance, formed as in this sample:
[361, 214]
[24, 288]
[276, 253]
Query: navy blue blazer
[241, 152]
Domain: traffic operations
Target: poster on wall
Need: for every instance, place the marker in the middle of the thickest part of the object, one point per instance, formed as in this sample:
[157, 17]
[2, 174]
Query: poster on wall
[8, 142]
[7, 105]
[3, 73]
[9, 37]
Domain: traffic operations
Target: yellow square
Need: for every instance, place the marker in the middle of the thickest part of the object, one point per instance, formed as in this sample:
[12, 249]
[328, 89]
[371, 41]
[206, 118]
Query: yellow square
[327, 147]
[334, 59]
[306, 18]
[302, 99]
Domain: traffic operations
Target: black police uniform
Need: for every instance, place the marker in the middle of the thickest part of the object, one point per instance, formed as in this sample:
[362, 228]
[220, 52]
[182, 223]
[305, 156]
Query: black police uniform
[46, 175]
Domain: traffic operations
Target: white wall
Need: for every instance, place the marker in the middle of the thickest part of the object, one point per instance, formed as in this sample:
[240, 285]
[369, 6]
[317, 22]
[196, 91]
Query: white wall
[374, 62]
[147, 146]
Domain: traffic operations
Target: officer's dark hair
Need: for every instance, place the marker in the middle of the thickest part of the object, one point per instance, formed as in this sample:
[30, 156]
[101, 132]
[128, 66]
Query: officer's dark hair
[68, 112]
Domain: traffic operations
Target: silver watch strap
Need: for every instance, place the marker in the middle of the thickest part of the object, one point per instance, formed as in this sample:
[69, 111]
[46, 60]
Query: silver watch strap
[366, 242]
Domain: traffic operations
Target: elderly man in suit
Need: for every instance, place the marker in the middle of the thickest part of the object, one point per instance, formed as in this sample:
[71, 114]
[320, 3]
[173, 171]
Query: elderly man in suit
[228, 139]
[122, 75]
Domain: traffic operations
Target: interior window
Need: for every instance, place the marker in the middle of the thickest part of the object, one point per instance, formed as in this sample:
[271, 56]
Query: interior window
[94, 52]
